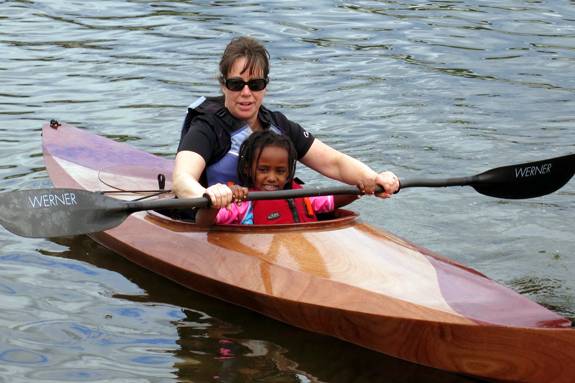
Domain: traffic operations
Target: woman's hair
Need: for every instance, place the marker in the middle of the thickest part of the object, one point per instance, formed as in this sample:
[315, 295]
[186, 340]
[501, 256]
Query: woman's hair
[257, 57]
[252, 148]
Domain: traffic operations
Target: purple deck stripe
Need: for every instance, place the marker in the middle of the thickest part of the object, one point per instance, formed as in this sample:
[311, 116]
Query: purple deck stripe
[483, 300]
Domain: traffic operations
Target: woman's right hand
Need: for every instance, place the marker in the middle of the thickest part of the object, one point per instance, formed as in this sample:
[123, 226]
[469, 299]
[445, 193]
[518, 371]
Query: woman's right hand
[220, 195]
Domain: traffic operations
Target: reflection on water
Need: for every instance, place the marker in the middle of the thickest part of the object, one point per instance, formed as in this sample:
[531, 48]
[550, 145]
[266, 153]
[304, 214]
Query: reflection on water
[549, 292]
[149, 327]
[437, 88]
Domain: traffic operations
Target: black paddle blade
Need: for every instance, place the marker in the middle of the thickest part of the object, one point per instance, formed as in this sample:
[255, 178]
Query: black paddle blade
[45, 213]
[528, 180]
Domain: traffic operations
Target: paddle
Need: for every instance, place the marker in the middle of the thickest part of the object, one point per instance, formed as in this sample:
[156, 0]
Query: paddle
[528, 180]
[63, 212]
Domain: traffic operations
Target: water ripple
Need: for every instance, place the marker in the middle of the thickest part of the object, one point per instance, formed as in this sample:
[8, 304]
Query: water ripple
[438, 89]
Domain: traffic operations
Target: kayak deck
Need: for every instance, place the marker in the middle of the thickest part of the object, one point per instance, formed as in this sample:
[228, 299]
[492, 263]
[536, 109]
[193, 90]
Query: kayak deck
[340, 277]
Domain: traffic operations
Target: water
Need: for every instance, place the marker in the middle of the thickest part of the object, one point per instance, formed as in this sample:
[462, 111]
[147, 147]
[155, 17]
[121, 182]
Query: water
[436, 88]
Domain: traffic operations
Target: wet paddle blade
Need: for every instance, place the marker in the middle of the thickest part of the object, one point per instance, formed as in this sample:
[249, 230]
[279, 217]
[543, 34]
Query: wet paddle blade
[46, 213]
[528, 180]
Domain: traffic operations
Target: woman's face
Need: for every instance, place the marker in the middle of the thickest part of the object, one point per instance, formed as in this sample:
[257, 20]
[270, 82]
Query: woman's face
[245, 103]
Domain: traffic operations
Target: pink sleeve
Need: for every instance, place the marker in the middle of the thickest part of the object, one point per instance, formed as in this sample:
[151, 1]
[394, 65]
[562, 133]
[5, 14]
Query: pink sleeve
[322, 204]
[232, 214]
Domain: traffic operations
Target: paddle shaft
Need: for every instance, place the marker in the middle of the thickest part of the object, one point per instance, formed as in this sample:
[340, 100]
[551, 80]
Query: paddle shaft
[202, 202]
[63, 212]
[316, 191]
[423, 182]
[527, 180]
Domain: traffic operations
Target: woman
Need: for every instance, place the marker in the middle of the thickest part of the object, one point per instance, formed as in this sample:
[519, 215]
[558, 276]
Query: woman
[214, 130]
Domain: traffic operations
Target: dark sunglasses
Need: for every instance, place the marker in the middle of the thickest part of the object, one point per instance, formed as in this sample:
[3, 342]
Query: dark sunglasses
[236, 84]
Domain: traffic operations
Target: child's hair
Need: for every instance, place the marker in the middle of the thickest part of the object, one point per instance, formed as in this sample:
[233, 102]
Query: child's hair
[254, 145]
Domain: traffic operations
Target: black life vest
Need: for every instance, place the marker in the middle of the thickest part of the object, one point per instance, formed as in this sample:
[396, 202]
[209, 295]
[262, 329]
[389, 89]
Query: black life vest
[212, 111]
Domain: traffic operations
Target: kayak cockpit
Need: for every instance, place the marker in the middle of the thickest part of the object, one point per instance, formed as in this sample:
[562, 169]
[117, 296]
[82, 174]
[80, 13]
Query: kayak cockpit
[337, 218]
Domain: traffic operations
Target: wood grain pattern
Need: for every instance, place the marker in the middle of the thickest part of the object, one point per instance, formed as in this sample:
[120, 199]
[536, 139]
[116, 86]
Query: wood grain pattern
[341, 278]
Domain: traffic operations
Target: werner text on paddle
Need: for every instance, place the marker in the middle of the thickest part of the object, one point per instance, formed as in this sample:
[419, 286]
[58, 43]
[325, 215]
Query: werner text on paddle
[52, 200]
[530, 171]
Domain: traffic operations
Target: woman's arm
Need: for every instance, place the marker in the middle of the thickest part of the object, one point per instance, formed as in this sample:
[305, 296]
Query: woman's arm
[187, 172]
[339, 166]
[188, 169]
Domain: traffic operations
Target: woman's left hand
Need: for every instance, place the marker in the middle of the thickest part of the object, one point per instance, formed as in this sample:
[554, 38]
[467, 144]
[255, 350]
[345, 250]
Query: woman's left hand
[387, 180]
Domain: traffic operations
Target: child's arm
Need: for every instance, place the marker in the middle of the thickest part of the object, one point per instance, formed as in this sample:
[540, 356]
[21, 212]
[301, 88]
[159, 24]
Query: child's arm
[210, 216]
[329, 203]
[342, 200]
[207, 216]
[220, 196]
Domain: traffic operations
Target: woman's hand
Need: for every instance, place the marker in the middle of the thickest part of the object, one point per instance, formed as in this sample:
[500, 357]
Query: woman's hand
[220, 195]
[387, 180]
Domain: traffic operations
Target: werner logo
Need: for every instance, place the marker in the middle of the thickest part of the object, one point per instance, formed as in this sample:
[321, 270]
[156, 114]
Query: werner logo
[53, 200]
[531, 171]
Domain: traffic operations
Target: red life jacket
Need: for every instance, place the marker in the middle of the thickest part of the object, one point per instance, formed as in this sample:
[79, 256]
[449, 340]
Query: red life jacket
[293, 210]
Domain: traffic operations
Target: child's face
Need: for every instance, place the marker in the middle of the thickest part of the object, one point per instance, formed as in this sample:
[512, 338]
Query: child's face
[272, 170]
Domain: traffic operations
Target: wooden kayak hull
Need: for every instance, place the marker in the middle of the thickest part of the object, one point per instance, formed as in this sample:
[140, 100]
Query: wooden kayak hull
[342, 277]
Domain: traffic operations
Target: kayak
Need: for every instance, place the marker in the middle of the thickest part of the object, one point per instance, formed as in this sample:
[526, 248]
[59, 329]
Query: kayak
[339, 276]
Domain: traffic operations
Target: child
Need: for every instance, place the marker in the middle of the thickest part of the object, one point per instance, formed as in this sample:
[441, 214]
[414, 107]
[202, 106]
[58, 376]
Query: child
[267, 162]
